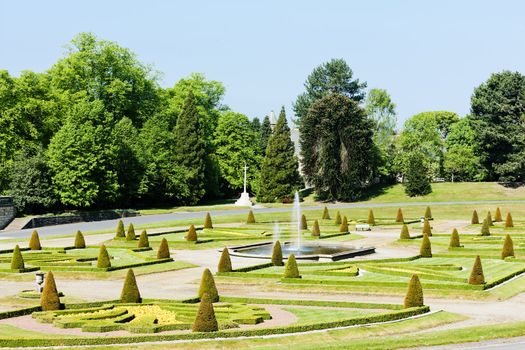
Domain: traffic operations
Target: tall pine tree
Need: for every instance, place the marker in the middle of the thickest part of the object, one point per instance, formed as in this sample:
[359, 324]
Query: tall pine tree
[265, 131]
[279, 173]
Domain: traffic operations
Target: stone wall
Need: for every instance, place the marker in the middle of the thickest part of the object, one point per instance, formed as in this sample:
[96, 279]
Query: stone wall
[7, 211]
[79, 217]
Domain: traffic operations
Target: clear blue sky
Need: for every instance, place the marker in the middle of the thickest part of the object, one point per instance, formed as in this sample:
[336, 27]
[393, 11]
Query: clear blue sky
[428, 54]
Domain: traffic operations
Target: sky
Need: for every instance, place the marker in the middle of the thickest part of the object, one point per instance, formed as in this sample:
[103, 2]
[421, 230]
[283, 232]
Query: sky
[429, 55]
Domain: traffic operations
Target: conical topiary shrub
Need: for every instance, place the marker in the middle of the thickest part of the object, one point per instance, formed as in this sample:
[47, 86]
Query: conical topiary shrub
[277, 254]
[250, 219]
[338, 218]
[34, 242]
[485, 229]
[316, 232]
[191, 236]
[371, 219]
[49, 300]
[131, 236]
[454, 239]
[428, 213]
[225, 262]
[508, 221]
[404, 232]
[326, 214]
[399, 216]
[120, 230]
[475, 218]
[164, 250]
[17, 261]
[207, 221]
[414, 296]
[508, 247]
[130, 290]
[425, 250]
[304, 224]
[344, 225]
[489, 219]
[143, 240]
[427, 230]
[103, 260]
[476, 276]
[497, 215]
[205, 320]
[291, 270]
[208, 286]
[80, 242]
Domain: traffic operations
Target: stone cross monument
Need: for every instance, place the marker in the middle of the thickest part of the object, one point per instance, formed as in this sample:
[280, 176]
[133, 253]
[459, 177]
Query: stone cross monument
[244, 200]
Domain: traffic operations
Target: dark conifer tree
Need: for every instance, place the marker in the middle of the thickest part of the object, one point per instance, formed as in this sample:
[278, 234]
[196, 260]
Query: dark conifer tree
[265, 131]
[417, 179]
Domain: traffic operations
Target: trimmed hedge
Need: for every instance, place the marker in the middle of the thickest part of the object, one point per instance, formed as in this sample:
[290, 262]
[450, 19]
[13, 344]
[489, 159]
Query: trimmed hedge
[103, 260]
[371, 219]
[508, 248]
[130, 235]
[164, 250]
[454, 239]
[143, 240]
[277, 254]
[130, 290]
[50, 299]
[304, 224]
[225, 263]
[475, 219]
[399, 216]
[316, 232]
[326, 214]
[120, 230]
[251, 218]
[80, 242]
[476, 276]
[207, 286]
[34, 242]
[291, 270]
[17, 261]
[207, 221]
[414, 296]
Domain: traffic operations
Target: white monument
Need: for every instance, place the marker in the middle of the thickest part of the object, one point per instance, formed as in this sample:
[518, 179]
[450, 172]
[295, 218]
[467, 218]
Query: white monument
[244, 200]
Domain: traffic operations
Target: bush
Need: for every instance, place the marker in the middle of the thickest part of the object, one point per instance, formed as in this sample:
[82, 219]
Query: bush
[428, 213]
[476, 276]
[130, 291]
[130, 236]
[304, 224]
[326, 214]
[143, 240]
[17, 261]
[508, 247]
[191, 236]
[207, 221]
[454, 239]
[277, 254]
[338, 218]
[414, 296]
[205, 320]
[164, 250]
[208, 286]
[399, 216]
[50, 300]
[371, 220]
[508, 221]
[485, 229]
[344, 225]
[251, 218]
[316, 232]
[225, 263]
[34, 242]
[291, 270]
[475, 219]
[80, 242]
[120, 230]
[489, 219]
[497, 215]
[427, 230]
[425, 250]
[103, 260]
[404, 232]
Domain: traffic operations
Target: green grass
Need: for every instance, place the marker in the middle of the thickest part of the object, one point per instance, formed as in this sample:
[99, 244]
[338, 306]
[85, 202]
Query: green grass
[307, 315]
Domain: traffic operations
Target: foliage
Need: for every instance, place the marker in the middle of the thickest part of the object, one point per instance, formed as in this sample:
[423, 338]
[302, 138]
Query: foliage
[130, 290]
[371, 219]
[428, 213]
[265, 131]
[404, 232]
[326, 214]
[251, 218]
[164, 251]
[337, 218]
[34, 242]
[103, 260]
[508, 247]
[316, 232]
[191, 236]
[225, 263]
[497, 215]
[120, 230]
[425, 250]
[344, 225]
[476, 276]
[414, 296]
[130, 236]
[485, 228]
[399, 216]
[143, 240]
[508, 221]
[454, 239]
[417, 177]
[49, 299]
[291, 270]
[489, 219]
[207, 221]
[475, 219]
[462, 160]
[17, 261]
[207, 286]
[79, 240]
[277, 254]
[427, 230]
[303, 224]
[205, 320]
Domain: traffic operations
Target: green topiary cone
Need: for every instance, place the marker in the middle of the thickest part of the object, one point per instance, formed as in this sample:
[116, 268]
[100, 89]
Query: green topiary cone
[508, 247]
[399, 216]
[143, 240]
[120, 230]
[425, 250]
[326, 214]
[80, 243]
[17, 261]
[344, 225]
[164, 250]
[191, 236]
[475, 218]
[414, 296]
[291, 270]
[485, 229]
[428, 213]
[277, 254]
[208, 286]
[205, 320]
[337, 218]
[316, 232]
[404, 232]
[207, 221]
[225, 262]
[489, 219]
[250, 219]
[130, 236]
[454, 239]
[497, 215]
[427, 230]
[130, 290]
[304, 224]
[508, 221]
[476, 276]
[34, 242]
[371, 219]
[49, 300]
[103, 260]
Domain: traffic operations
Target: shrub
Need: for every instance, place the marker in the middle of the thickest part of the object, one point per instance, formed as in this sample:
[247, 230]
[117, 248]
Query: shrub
[326, 214]
[143, 240]
[428, 213]
[475, 219]
[497, 215]
[485, 229]
[454, 239]
[130, 291]
[476, 276]
[508, 247]
[225, 263]
[338, 218]
[344, 225]
[208, 286]
[277, 254]
[205, 320]
[304, 224]
[103, 260]
[489, 219]
[371, 220]
[404, 232]
[191, 236]
[130, 236]
[34, 242]
[17, 261]
[207, 221]
[80, 242]
[414, 296]
[291, 270]
[316, 232]
[427, 230]
[49, 300]
[164, 250]
[508, 221]
[120, 230]
[399, 216]
[425, 250]
[250, 219]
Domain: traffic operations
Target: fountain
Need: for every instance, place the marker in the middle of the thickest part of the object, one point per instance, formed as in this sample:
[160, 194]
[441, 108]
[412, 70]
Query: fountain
[276, 231]
[296, 216]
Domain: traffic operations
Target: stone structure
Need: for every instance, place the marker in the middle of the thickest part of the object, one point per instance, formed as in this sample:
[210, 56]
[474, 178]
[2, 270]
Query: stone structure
[7, 211]
[244, 200]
